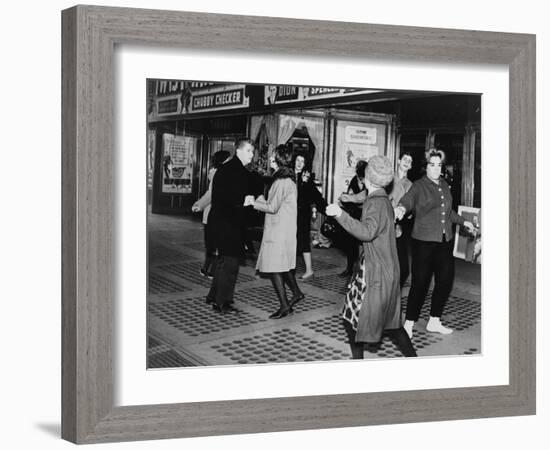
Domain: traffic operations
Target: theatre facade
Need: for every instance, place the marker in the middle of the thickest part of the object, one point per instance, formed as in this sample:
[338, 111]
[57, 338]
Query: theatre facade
[189, 121]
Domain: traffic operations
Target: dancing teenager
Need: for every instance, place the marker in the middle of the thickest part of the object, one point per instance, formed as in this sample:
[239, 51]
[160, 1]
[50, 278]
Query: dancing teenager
[372, 304]
[431, 201]
[308, 194]
[227, 225]
[204, 204]
[277, 254]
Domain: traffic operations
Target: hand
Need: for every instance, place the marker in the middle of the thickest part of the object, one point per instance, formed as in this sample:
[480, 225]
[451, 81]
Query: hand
[249, 200]
[195, 208]
[333, 210]
[469, 226]
[398, 231]
[399, 212]
[345, 198]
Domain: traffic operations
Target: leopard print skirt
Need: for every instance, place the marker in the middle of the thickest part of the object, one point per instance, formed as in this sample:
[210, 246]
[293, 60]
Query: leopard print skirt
[355, 296]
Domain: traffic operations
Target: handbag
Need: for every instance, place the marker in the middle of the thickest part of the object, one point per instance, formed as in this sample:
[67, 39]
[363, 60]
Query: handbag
[331, 228]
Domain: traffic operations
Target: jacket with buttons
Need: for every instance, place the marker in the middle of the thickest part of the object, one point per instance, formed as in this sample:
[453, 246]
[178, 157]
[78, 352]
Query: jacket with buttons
[431, 204]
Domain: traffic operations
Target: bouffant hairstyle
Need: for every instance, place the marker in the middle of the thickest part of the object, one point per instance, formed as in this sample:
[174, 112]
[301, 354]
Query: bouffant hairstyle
[304, 155]
[360, 168]
[283, 156]
[434, 152]
[379, 171]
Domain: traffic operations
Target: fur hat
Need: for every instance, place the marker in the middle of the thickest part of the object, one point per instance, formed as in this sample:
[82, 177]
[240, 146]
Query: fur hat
[379, 171]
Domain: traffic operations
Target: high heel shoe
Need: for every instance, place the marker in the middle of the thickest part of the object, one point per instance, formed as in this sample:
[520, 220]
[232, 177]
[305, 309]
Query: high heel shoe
[297, 298]
[279, 314]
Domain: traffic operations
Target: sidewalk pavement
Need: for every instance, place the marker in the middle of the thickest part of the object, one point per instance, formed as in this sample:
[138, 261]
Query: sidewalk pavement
[184, 331]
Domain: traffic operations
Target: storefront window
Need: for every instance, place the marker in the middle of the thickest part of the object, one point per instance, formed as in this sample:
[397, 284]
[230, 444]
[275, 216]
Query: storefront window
[415, 144]
[477, 171]
[453, 146]
[300, 142]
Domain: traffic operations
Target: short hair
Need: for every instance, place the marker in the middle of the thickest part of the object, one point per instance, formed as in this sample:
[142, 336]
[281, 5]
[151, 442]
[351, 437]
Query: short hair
[240, 142]
[405, 153]
[360, 168]
[434, 152]
[380, 171]
[283, 156]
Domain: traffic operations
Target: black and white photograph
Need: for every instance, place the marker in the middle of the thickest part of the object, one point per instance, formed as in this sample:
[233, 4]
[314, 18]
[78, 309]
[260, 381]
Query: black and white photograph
[294, 224]
[235, 241]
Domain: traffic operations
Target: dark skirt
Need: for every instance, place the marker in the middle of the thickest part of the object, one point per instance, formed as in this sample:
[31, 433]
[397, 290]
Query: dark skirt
[303, 232]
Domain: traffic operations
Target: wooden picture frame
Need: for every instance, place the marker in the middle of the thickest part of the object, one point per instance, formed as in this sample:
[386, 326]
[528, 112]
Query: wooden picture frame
[90, 34]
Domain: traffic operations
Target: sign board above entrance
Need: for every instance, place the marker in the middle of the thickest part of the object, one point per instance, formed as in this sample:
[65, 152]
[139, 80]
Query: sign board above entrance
[274, 94]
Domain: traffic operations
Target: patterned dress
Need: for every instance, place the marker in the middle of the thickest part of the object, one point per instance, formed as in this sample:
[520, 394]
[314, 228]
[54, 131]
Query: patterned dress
[355, 296]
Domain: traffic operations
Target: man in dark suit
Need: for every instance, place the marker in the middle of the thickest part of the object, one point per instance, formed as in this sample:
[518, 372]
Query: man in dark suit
[227, 220]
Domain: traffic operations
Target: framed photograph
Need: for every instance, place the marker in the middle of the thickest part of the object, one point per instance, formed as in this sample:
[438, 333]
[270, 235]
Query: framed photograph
[468, 244]
[185, 323]
[184, 117]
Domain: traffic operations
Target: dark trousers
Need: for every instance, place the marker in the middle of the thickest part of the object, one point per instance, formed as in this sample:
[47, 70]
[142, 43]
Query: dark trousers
[402, 243]
[210, 253]
[430, 258]
[225, 278]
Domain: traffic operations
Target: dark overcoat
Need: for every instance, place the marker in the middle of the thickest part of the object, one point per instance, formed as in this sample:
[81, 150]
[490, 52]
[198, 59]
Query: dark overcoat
[381, 307]
[308, 194]
[227, 220]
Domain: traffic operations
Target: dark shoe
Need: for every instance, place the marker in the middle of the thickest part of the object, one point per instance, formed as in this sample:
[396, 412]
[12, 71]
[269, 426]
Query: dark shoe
[345, 273]
[209, 301]
[279, 314]
[204, 273]
[296, 299]
[219, 309]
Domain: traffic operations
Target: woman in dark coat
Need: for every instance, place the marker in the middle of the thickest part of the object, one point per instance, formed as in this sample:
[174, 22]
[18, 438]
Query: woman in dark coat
[373, 304]
[308, 194]
[349, 244]
[277, 254]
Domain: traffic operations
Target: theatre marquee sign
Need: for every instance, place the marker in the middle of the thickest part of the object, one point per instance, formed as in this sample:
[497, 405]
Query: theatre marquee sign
[276, 94]
[193, 99]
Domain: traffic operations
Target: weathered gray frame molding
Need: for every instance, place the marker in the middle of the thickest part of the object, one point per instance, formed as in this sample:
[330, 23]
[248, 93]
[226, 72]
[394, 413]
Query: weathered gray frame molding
[89, 36]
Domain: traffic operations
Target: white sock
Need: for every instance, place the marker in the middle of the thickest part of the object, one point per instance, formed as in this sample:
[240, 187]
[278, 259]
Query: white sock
[408, 326]
[435, 326]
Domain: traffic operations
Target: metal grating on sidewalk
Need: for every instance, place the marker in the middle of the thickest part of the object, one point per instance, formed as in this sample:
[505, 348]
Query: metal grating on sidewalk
[161, 285]
[278, 346]
[265, 298]
[318, 264]
[328, 326]
[168, 359]
[459, 313]
[189, 273]
[332, 326]
[334, 283]
[195, 318]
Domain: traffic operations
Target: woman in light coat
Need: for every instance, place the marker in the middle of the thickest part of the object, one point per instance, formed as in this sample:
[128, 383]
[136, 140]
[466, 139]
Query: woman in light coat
[277, 255]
